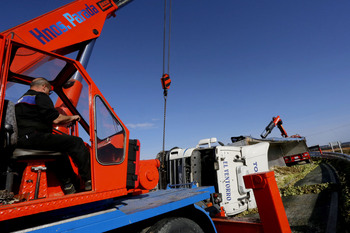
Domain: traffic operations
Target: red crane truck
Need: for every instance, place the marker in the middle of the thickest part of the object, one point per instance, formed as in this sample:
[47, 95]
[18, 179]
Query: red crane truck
[31, 198]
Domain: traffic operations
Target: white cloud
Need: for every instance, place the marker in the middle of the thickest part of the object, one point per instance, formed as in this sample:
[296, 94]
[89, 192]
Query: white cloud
[140, 126]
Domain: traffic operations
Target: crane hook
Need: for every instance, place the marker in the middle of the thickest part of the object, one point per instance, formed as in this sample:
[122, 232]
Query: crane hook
[166, 81]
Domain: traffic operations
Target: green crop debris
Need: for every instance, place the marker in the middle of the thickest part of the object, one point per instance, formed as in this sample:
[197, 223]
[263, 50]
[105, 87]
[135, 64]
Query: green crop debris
[307, 189]
[288, 176]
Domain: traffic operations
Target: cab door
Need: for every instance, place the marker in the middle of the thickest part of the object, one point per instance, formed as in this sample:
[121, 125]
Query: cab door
[111, 140]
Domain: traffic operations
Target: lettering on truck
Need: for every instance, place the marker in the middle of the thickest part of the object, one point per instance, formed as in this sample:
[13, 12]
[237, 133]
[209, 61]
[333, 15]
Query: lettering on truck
[71, 20]
[256, 169]
[227, 181]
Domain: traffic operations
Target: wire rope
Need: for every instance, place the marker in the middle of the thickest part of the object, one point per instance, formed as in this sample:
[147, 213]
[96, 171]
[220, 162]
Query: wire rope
[165, 60]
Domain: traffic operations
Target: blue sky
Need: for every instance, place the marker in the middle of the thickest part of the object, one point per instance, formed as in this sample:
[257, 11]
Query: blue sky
[234, 65]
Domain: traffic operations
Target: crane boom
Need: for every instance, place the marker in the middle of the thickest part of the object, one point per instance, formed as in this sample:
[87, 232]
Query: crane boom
[66, 26]
[72, 27]
[276, 121]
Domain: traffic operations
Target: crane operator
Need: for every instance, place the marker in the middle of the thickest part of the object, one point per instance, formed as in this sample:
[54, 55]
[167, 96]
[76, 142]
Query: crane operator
[35, 115]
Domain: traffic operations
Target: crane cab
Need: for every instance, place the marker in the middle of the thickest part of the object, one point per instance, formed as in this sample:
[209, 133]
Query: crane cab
[30, 178]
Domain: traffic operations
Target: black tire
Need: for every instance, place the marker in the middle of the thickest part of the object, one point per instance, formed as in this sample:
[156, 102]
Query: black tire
[175, 225]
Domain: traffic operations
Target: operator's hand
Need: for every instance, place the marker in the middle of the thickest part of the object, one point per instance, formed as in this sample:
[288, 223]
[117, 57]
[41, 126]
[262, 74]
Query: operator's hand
[72, 120]
[75, 118]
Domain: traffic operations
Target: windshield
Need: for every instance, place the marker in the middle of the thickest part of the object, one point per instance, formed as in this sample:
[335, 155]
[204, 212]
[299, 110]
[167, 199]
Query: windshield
[70, 95]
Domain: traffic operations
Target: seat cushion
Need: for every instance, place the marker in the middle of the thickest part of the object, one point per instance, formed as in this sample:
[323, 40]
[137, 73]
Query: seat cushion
[20, 153]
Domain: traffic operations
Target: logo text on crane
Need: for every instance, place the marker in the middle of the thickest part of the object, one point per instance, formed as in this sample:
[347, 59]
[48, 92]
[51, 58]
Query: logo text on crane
[48, 34]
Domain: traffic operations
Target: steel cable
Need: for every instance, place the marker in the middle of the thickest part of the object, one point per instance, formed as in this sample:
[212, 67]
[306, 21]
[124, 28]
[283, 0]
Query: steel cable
[165, 94]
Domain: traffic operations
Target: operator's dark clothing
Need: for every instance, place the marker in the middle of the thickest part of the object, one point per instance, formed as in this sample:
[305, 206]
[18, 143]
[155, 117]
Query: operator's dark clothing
[35, 113]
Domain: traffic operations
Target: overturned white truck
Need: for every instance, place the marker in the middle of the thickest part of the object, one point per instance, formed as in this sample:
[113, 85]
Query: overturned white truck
[211, 163]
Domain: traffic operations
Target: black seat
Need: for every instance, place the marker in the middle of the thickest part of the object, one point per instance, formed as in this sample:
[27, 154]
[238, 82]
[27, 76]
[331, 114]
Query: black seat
[14, 154]
[8, 140]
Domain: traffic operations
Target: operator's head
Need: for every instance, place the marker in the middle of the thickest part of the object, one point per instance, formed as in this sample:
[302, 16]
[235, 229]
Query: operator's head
[41, 85]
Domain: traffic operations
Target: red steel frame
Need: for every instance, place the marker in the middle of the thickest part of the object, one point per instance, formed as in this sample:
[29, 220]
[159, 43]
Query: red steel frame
[272, 214]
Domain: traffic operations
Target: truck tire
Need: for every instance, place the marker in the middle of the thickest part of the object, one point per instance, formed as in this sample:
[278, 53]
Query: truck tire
[175, 225]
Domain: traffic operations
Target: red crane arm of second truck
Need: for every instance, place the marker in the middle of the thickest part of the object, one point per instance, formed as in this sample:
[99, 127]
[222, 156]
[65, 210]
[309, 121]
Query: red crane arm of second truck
[276, 121]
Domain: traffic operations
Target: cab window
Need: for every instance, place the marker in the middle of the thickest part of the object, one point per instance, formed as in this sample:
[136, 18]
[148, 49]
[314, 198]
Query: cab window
[110, 135]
